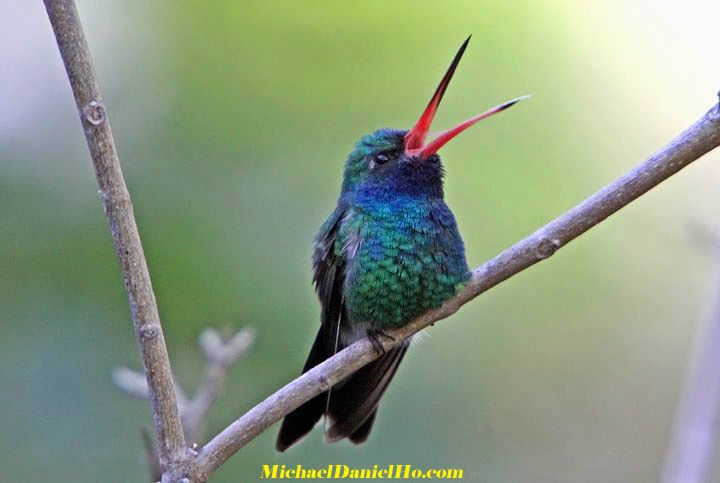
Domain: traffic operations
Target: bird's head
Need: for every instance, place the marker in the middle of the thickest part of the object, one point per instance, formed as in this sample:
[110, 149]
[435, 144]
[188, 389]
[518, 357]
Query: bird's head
[394, 162]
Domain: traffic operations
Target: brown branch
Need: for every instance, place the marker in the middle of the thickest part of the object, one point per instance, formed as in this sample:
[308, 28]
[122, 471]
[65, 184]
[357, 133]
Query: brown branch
[118, 209]
[697, 140]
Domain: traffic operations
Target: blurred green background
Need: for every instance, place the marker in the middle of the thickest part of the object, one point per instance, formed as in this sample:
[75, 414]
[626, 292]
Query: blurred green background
[232, 120]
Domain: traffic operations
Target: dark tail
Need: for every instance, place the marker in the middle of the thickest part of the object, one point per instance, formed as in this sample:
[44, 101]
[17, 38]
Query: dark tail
[299, 422]
[353, 403]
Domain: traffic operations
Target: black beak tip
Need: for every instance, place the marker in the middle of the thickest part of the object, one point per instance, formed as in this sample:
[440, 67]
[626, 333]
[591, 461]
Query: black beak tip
[513, 102]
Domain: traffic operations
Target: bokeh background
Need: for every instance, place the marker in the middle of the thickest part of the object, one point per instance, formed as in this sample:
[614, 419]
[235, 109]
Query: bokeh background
[232, 121]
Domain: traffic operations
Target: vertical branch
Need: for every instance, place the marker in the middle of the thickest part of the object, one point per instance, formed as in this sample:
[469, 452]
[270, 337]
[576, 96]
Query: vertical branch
[118, 209]
[695, 434]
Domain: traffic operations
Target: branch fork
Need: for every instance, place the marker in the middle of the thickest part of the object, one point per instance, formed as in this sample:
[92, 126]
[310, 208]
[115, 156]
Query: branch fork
[219, 355]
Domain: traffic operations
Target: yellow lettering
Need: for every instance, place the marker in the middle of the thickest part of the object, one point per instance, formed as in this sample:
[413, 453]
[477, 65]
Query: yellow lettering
[342, 471]
[269, 473]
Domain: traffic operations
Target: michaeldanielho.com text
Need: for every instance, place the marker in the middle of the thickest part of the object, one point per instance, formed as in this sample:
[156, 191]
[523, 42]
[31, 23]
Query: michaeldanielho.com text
[389, 472]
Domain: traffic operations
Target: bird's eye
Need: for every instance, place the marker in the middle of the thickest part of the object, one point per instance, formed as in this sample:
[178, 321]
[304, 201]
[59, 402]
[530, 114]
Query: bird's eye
[381, 158]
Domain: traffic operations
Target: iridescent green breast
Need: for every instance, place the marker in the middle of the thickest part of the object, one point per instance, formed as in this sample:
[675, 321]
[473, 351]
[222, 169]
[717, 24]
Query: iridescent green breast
[403, 258]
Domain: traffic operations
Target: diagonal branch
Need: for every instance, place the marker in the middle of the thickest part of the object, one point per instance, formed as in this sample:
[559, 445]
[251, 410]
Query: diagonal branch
[697, 140]
[118, 209]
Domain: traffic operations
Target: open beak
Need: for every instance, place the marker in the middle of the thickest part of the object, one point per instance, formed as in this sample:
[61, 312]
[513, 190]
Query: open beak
[415, 138]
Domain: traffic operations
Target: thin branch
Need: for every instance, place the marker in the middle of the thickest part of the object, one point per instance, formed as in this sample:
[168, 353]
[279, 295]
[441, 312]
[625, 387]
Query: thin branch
[118, 209]
[695, 434]
[697, 140]
[220, 355]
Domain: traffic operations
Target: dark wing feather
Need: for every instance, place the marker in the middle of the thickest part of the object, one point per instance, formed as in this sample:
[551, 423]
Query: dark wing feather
[328, 277]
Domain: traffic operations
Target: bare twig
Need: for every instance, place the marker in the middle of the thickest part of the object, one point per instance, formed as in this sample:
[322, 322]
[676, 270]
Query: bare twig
[695, 434]
[697, 140]
[118, 208]
[220, 355]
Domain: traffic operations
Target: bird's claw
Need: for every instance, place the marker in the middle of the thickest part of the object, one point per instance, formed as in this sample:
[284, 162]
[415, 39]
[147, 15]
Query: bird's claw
[374, 336]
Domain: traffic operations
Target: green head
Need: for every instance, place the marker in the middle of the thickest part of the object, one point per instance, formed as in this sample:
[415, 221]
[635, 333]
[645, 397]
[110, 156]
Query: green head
[380, 167]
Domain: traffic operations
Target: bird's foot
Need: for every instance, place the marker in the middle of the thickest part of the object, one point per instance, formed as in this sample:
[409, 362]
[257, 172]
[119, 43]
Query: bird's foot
[374, 336]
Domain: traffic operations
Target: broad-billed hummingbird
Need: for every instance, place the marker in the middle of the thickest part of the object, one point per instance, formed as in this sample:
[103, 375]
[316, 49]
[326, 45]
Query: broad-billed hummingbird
[389, 251]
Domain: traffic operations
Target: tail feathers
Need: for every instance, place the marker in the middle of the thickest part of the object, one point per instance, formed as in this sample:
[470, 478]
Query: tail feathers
[299, 422]
[361, 434]
[353, 406]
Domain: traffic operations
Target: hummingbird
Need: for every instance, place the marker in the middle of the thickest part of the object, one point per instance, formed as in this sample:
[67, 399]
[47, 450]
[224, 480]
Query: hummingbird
[390, 251]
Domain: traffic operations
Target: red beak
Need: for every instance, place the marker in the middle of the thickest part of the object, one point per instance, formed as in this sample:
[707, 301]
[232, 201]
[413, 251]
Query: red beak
[415, 138]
